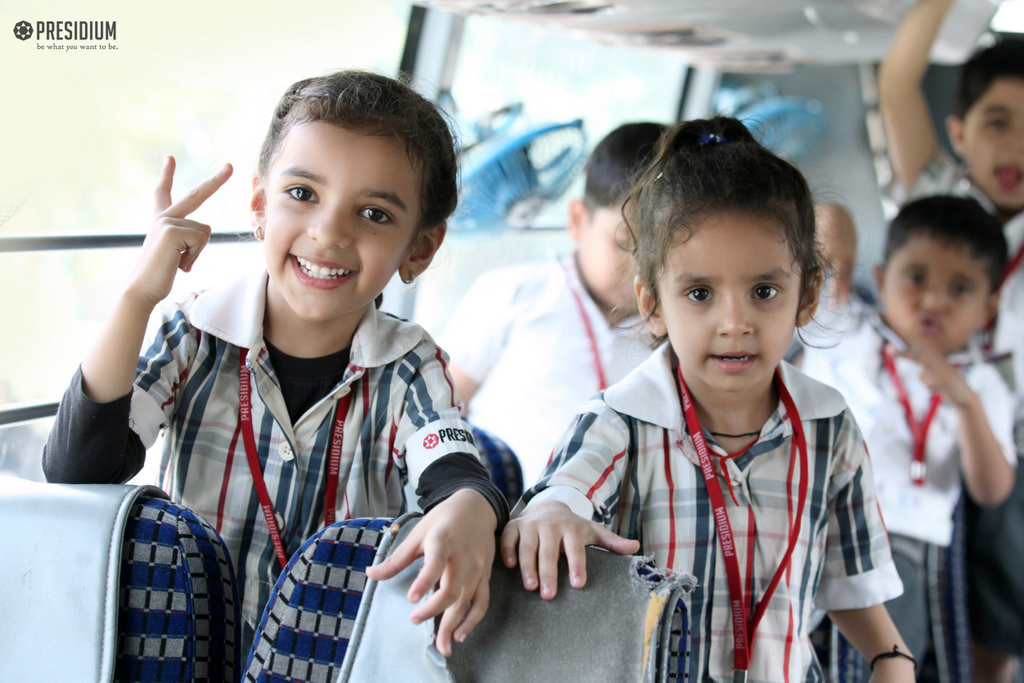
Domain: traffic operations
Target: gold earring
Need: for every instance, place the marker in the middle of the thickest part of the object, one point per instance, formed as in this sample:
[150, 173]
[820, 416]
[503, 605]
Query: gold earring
[259, 232]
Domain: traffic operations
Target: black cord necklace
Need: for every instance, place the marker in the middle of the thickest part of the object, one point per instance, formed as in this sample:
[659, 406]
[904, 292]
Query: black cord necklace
[735, 436]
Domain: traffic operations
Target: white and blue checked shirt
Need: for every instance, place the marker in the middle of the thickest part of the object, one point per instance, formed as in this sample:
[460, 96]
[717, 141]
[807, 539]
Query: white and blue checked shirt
[620, 464]
[403, 416]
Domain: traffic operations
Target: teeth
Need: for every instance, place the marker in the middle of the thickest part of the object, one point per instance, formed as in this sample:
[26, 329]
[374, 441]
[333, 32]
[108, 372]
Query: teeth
[320, 272]
[735, 358]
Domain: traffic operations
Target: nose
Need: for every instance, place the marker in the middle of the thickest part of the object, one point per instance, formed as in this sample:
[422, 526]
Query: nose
[934, 298]
[735, 317]
[330, 227]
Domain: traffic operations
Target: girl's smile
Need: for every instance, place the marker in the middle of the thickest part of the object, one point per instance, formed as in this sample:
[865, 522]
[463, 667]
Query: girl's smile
[340, 210]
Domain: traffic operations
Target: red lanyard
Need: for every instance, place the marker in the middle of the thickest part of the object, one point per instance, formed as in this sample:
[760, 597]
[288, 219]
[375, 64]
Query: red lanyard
[918, 430]
[743, 631]
[252, 455]
[595, 354]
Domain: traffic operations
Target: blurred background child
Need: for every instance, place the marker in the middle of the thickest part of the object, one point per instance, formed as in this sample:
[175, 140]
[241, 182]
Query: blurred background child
[529, 344]
[986, 130]
[926, 421]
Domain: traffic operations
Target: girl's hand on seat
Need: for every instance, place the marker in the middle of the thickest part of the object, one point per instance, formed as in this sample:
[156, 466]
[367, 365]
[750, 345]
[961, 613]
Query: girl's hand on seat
[545, 530]
[456, 541]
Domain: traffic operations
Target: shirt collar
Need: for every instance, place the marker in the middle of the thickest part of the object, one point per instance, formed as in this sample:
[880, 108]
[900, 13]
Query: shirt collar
[649, 393]
[234, 313]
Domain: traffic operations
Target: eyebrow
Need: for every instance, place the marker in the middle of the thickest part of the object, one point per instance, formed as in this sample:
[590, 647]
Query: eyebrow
[300, 172]
[772, 275]
[997, 109]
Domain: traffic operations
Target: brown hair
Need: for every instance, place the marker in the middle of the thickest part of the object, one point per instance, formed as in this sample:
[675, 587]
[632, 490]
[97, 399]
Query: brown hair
[703, 167]
[377, 105]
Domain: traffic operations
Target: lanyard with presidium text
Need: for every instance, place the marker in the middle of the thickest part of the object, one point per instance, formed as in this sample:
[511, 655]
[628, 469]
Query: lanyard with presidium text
[743, 631]
[333, 458]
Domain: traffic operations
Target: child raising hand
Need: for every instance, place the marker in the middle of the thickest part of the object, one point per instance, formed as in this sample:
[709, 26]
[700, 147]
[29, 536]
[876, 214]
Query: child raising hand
[288, 399]
[714, 455]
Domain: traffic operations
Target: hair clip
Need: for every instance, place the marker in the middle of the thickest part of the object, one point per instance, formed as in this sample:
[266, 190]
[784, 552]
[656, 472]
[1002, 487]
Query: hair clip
[711, 138]
[658, 177]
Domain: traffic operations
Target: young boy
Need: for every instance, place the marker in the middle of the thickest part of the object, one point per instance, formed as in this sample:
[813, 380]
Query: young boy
[529, 344]
[987, 131]
[926, 421]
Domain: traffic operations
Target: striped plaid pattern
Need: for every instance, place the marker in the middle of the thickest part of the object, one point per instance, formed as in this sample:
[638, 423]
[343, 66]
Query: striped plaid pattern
[187, 383]
[179, 615]
[643, 481]
[307, 623]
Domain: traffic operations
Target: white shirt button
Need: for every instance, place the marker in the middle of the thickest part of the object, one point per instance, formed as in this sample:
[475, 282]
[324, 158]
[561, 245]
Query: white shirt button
[280, 521]
[344, 391]
[287, 454]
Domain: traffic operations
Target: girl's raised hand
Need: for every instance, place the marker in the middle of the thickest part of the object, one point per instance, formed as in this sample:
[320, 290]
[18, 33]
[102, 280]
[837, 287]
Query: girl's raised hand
[173, 241]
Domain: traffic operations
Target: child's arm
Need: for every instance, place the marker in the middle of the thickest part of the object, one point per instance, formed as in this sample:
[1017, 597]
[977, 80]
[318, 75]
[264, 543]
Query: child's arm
[456, 540]
[546, 529]
[908, 125]
[872, 632]
[173, 242]
[987, 475]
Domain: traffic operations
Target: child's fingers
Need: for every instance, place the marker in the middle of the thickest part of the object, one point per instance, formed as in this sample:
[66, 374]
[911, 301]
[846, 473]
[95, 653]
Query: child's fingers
[576, 555]
[407, 551]
[453, 615]
[199, 194]
[609, 540]
[199, 236]
[509, 541]
[528, 558]
[431, 572]
[162, 195]
[477, 610]
[548, 553]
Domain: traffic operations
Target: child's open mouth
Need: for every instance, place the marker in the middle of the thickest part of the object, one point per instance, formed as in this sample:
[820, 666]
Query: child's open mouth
[930, 326]
[1009, 178]
[734, 362]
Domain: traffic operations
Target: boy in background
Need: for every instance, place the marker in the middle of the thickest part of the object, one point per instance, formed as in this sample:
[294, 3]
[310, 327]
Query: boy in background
[928, 422]
[987, 132]
[530, 343]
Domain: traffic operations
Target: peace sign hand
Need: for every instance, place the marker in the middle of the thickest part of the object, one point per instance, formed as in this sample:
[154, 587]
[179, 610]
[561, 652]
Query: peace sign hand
[173, 241]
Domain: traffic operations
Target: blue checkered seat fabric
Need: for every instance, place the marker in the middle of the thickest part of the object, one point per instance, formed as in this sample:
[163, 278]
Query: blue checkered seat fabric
[502, 464]
[179, 614]
[306, 626]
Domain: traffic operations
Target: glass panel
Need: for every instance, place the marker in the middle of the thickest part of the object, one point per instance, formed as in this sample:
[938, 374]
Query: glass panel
[560, 77]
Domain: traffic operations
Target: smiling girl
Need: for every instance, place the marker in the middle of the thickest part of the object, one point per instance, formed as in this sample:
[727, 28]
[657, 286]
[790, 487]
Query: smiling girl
[257, 383]
[714, 455]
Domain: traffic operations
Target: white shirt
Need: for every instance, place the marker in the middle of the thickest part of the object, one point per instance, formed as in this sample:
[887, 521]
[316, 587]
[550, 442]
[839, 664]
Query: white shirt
[855, 368]
[519, 334]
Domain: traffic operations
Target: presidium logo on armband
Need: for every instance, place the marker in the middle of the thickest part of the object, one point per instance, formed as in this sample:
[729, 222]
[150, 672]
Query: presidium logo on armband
[447, 435]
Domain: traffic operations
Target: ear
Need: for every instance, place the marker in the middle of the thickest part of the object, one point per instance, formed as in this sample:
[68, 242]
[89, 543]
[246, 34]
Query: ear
[955, 129]
[579, 218]
[806, 312]
[424, 245]
[258, 203]
[648, 308]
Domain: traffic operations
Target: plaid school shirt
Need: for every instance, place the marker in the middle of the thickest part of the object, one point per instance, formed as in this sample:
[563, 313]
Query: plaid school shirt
[628, 462]
[404, 414]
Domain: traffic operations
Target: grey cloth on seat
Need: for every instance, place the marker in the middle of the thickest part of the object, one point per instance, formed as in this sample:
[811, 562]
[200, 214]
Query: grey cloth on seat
[627, 624]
